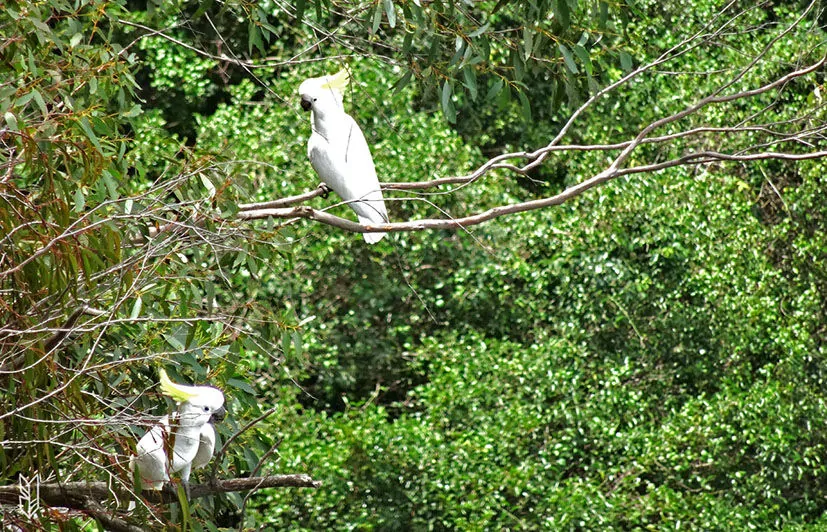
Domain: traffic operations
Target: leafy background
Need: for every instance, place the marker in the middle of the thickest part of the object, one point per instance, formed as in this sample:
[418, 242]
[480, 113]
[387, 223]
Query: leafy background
[648, 355]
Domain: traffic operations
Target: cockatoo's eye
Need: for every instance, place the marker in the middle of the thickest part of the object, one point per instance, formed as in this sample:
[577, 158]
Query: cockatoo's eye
[315, 99]
[206, 409]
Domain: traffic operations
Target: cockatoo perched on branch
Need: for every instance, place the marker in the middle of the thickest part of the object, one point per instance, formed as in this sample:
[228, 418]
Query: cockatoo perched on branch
[190, 436]
[339, 152]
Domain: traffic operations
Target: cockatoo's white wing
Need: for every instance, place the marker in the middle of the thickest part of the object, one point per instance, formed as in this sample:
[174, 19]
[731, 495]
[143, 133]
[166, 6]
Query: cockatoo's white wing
[363, 185]
[206, 447]
[343, 161]
[185, 445]
[151, 456]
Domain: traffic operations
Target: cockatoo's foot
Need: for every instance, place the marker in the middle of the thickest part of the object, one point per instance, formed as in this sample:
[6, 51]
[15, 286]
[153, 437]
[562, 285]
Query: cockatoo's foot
[326, 190]
[186, 485]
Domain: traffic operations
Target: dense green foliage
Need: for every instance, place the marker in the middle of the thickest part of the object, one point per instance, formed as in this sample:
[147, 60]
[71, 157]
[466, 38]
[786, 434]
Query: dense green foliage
[650, 354]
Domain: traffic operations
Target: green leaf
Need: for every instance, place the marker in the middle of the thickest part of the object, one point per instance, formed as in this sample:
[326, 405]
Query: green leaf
[484, 49]
[603, 16]
[244, 386]
[271, 30]
[186, 518]
[390, 11]
[470, 77]
[568, 59]
[174, 342]
[402, 82]
[625, 61]
[572, 92]
[87, 129]
[136, 480]
[301, 5]
[203, 7]
[208, 185]
[136, 308]
[377, 19]
[21, 102]
[80, 200]
[460, 50]
[560, 8]
[40, 103]
[407, 42]
[252, 266]
[494, 89]
[254, 38]
[39, 24]
[525, 105]
[593, 85]
[519, 65]
[504, 97]
[479, 31]
[133, 112]
[448, 108]
[583, 55]
[11, 120]
[528, 42]
[32, 64]
[111, 185]
[297, 343]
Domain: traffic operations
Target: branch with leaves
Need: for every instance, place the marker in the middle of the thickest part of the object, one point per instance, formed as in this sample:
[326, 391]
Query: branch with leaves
[89, 497]
[289, 208]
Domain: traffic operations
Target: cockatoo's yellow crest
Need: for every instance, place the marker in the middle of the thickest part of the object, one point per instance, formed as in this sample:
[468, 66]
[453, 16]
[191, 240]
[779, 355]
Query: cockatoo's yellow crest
[178, 392]
[338, 81]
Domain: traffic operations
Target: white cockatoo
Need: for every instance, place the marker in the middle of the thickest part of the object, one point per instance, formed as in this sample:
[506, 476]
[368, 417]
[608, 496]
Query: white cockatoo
[190, 435]
[339, 152]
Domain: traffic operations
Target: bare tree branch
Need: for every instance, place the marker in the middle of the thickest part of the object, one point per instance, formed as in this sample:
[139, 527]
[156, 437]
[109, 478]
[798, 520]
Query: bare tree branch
[52, 342]
[74, 494]
[281, 208]
[109, 521]
[88, 496]
[496, 212]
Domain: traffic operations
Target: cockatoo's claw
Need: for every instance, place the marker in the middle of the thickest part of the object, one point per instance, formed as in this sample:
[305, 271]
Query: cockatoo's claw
[325, 190]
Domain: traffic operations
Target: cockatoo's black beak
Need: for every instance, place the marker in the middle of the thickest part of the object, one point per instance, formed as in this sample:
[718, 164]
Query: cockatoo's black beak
[218, 415]
[306, 103]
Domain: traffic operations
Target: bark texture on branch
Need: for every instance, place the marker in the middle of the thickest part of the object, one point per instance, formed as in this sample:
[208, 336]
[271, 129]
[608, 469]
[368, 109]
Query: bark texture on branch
[76, 495]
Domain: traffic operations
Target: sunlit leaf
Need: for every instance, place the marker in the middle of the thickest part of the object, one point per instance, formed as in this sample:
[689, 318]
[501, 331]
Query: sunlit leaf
[390, 12]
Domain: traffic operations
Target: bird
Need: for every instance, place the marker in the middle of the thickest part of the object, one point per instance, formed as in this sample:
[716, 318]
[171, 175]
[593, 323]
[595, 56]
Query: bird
[189, 433]
[338, 151]
[206, 446]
